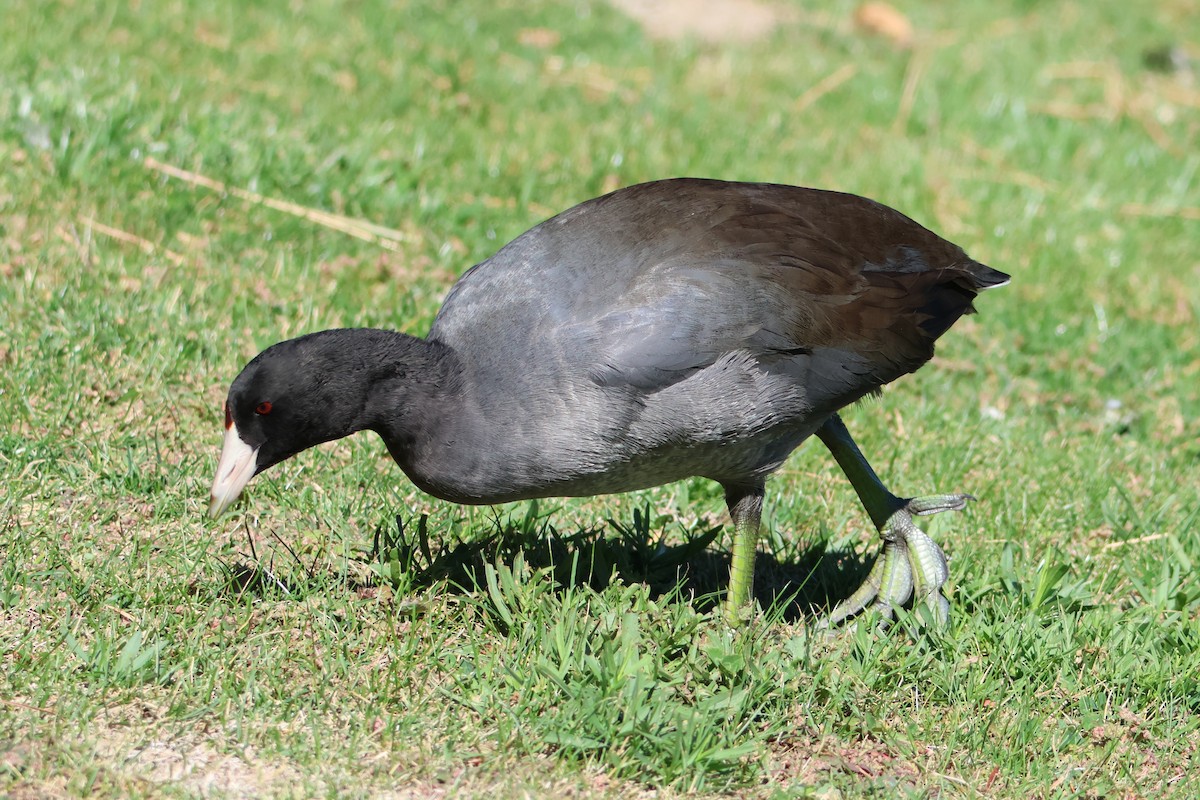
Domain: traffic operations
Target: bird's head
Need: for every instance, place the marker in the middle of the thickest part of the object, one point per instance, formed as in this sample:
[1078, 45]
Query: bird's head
[292, 396]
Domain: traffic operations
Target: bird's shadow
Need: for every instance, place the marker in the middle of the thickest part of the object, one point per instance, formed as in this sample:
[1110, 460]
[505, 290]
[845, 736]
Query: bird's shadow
[805, 582]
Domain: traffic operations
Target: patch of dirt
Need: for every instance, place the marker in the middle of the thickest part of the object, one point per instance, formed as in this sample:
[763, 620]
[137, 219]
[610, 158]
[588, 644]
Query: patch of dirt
[135, 748]
[134, 743]
[200, 768]
[813, 761]
[707, 20]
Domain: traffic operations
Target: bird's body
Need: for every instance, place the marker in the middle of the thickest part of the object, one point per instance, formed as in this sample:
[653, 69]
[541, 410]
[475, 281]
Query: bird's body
[672, 329]
[676, 329]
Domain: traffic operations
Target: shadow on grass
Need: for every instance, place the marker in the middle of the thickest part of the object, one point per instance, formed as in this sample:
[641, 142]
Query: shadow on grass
[805, 583]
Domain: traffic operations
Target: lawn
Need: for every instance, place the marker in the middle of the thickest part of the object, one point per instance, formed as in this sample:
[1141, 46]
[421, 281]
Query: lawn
[185, 183]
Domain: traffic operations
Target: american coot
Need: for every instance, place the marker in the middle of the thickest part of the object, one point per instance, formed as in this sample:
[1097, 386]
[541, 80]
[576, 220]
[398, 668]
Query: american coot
[667, 330]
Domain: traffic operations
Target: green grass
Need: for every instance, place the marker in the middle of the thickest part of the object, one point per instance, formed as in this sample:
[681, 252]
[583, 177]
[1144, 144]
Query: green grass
[311, 647]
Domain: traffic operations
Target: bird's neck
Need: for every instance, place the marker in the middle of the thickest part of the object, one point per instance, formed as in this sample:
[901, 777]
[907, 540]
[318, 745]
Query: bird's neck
[379, 380]
[411, 385]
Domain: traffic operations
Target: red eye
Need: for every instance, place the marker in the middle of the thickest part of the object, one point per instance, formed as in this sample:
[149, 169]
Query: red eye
[263, 408]
[228, 418]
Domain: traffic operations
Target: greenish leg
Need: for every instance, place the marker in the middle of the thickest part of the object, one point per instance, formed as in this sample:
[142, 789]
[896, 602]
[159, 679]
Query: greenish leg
[911, 564]
[745, 507]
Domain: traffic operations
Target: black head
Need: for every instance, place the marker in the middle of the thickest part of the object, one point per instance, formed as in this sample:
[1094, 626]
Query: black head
[292, 396]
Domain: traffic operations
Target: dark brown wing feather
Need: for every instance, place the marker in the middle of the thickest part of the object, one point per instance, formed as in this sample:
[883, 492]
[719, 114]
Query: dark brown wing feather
[858, 275]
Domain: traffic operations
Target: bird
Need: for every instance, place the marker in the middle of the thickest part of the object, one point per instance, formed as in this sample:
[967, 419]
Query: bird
[674, 329]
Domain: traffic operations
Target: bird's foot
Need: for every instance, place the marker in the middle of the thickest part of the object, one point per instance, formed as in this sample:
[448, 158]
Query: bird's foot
[911, 566]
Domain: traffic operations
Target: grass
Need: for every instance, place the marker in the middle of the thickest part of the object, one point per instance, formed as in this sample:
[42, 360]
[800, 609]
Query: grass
[311, 646]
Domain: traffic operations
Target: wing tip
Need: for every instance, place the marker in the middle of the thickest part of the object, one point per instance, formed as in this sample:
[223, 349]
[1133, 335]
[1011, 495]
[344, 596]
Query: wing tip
[985, 277]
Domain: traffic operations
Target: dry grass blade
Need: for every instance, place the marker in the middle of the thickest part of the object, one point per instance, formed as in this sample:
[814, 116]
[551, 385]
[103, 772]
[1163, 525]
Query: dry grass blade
[912, 78]
[824, 86]
[1139, 210]
[145, 245]
[387, 238]
[1154, 537]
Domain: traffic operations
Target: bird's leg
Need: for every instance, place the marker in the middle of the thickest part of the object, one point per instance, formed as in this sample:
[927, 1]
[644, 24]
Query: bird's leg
[745, 507]
[911, 564]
